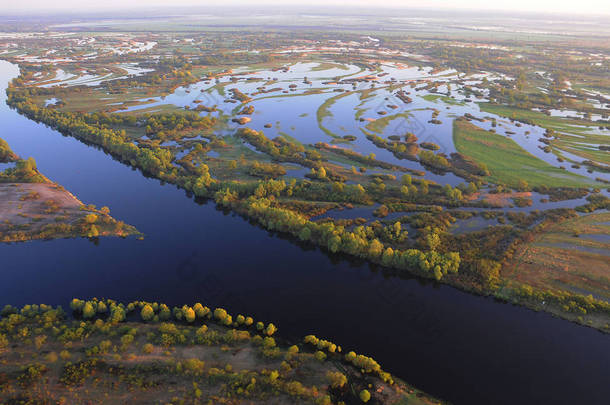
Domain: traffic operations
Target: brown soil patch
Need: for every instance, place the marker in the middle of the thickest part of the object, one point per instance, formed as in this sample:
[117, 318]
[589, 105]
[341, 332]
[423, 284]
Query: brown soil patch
[20, 203]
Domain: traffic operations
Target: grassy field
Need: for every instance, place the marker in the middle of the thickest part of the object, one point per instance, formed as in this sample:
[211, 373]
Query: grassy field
[573, 136]
[380, 124]
[445, 99]
[541, 119]
[573, 255]
[507, 162]
[327, 66]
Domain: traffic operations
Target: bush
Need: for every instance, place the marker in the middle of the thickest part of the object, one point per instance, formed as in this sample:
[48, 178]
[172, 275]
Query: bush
[3, 342]
[270, 329]
[64, 355]
[200, 310]
[88, 310]
[147, 313]
[51, 357]
[336, 379]
[188, 313]
[200, 333]
[164, 312]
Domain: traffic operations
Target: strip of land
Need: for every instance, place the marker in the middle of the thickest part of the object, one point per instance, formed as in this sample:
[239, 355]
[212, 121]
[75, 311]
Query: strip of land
[507, 162]
[143, 353]
[33, 207]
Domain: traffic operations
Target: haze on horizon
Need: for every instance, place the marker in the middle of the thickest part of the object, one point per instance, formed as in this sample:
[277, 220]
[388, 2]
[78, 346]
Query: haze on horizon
[591, 7]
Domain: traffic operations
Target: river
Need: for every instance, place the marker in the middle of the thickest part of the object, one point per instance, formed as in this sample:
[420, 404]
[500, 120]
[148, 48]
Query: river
[462, 348]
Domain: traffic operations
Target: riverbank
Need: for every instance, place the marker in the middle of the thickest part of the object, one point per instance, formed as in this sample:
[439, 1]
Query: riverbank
[185, 355]
[47, 211]
[33, 207]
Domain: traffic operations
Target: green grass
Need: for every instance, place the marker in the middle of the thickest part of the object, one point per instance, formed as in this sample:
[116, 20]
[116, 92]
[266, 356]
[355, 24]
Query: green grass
[327, 66]
[220, 87]
[557, 123]
[447, 100]
[507, 162]
[324, 112]
[572, 134]
[289, 138]
[380, 124]
[306, 93]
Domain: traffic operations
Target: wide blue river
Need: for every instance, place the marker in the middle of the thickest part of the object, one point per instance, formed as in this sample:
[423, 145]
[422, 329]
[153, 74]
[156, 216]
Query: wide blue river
[463, 348]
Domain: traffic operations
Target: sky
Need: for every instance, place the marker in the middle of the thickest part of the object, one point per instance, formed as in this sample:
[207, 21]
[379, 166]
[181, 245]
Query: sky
[559, 6]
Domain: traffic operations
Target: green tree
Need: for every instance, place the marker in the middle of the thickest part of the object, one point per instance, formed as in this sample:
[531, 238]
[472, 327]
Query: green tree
[147, 313]
[336, 379]
[375, 248]
[164, 312]
[88, 310]
[270, 329]
[188, 314]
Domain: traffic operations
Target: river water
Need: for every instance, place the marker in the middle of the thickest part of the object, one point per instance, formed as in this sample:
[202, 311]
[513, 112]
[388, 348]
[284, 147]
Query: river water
[462, 348]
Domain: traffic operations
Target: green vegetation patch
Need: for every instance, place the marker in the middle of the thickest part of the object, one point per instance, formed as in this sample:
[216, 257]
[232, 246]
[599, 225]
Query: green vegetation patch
[507, 162]
[445, 99]
[327, 66]
[146, 352]
[324, 112]
[380, 124]
[570, 135]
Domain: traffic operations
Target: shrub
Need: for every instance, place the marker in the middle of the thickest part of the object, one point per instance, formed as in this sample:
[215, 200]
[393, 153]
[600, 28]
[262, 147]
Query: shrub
[51, 357]
[3, 342]
[88, 310]
[101, 307]
[365, 396]
[270, 329]
[200, 310]
[350, 357]
[193, 366]
[147, 313]
[336, 379]
[200, 333]
[77, 305]
[188, 313]
[220, 314]
[268, 342]
[164, 312]
[30, 374]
